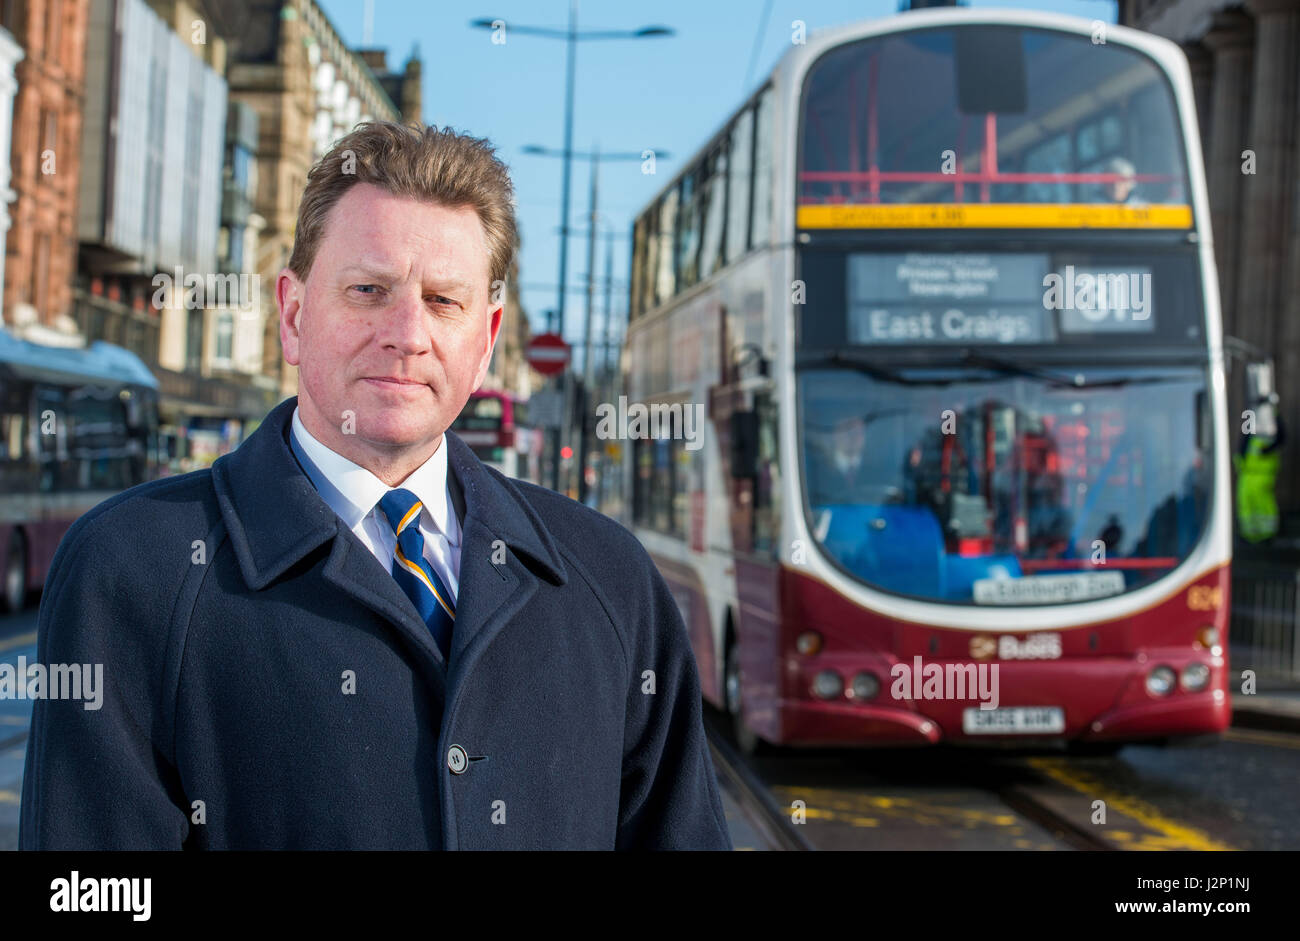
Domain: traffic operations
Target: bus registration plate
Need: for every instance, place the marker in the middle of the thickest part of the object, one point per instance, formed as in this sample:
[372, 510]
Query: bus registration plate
[1017, 720]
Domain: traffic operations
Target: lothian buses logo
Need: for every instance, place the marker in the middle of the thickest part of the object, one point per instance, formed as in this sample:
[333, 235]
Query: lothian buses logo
[1008, 647]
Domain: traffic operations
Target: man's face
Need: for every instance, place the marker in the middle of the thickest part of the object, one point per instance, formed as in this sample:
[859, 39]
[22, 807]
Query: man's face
[393, 327]
[1120, 189]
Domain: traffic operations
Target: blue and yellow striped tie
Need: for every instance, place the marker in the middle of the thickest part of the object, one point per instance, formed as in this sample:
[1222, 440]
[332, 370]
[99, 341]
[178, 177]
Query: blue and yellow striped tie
[413, 572]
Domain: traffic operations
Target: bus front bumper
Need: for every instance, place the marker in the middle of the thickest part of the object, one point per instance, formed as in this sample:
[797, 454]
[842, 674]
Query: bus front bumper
[1102, 700]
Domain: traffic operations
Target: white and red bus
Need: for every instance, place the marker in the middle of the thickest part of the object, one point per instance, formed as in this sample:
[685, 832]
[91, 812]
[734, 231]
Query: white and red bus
[495, 425]
[76, 427]
[943, 289]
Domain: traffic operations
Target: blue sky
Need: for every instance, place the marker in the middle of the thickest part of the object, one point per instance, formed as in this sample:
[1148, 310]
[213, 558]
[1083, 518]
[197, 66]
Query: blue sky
[669, 94]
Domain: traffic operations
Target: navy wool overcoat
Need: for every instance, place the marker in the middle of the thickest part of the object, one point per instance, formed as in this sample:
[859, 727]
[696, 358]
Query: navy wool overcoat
[267, 684]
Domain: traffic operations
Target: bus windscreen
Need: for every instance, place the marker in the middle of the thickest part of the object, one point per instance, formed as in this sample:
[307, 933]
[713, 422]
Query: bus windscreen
[951, 483]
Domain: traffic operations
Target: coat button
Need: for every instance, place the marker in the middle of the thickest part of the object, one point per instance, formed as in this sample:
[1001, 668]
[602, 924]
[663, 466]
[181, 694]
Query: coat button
[457, 760]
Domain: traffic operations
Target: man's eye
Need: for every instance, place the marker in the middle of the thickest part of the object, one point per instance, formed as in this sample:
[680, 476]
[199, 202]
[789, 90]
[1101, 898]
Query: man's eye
[441, 299]
[366, 288]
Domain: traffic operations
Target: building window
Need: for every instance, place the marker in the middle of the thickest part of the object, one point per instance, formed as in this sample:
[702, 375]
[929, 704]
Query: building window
[134, 336]
[193, 159]
[194, 341]
[40, 292]
[95, 324]
[154, 158]
[11, 12]
[225, 339]
[235, 250]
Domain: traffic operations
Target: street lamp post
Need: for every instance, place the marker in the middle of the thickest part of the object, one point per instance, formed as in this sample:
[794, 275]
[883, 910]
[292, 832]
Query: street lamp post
[594, 156]
[571, 35]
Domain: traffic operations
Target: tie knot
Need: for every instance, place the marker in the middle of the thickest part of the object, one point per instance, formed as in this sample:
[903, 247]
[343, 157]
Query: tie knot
[401, 507]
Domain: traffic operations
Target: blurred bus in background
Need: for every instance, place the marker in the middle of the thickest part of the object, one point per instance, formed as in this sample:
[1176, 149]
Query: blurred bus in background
[76, 427]
[495, 425]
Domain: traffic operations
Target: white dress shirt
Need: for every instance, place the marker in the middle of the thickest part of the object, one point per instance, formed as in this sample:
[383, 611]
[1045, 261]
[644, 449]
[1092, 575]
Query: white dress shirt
[354, 493]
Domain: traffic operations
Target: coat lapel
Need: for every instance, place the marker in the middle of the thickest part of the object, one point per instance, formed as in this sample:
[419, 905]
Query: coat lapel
[506, 552]
[357, 573]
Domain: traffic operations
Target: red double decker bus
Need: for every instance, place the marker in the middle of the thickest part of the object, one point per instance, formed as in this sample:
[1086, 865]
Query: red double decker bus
[943, 288]
[495, 425]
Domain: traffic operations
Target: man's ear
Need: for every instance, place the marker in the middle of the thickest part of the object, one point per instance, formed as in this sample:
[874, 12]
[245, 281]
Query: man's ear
[494, 330]
[289, 295]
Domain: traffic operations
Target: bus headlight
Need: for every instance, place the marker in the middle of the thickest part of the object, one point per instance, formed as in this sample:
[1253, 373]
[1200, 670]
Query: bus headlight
[1195, 677]
[808, 643]
[827, 685]
[864, 686]
[1160, 681]
[1208, 637]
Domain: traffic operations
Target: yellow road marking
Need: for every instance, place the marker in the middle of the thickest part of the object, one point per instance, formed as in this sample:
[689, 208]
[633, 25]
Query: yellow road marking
[1261, 737]
[1168, 833]
[867, 809]
[8, 797]
[22, 640]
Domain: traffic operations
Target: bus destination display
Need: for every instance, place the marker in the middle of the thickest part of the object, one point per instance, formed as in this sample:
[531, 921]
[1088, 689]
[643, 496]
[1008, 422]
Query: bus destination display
[962, 298]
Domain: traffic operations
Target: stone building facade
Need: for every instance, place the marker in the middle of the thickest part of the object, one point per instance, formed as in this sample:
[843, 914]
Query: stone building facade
[10, 55]
[41, 244]
[1245, 63]
[290, 65]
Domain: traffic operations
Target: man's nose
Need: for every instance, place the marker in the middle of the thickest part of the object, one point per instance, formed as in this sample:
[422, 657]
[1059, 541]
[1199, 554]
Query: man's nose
[405, 327]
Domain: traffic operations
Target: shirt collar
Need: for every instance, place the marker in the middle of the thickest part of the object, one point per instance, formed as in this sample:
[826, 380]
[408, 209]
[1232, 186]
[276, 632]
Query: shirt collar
[352, 492]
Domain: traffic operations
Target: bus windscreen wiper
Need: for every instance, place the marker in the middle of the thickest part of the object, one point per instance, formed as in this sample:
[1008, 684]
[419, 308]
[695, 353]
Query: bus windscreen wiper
[1075, 381]
[1001, 364]
[852, 359]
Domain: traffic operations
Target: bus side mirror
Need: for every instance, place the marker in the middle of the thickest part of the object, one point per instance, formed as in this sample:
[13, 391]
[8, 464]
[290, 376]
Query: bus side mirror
[1261, 396]
[744, 444]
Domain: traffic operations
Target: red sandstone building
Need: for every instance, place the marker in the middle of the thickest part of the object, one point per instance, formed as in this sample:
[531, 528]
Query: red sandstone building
[41, 244]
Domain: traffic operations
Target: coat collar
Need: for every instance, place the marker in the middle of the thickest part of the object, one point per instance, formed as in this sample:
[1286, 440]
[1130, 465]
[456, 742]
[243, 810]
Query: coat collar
[275, 518]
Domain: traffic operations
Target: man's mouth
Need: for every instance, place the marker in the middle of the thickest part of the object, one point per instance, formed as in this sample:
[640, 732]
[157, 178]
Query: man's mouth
[394, 382]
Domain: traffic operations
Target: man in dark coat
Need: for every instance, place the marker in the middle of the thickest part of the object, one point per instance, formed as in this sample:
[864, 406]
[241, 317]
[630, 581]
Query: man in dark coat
[349, 633]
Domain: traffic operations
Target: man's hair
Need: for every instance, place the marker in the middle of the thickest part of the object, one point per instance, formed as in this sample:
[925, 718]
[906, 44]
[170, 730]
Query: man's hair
[425, 163]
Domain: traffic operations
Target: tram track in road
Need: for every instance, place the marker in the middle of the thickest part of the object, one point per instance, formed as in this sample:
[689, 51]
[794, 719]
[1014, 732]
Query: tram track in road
[753, 796]
[1059, 825]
